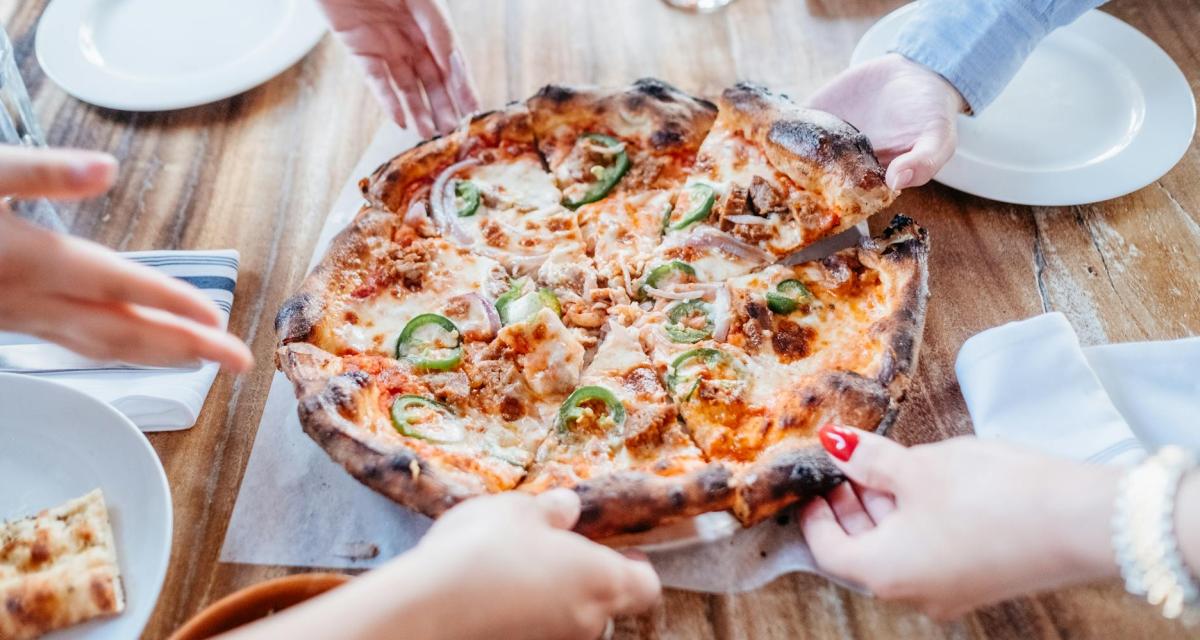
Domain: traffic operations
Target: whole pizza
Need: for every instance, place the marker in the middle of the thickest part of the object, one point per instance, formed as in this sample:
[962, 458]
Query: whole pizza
[592, 289]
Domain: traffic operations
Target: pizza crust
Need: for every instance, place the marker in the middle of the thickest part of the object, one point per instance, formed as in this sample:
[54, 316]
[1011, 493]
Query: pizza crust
[58, 569]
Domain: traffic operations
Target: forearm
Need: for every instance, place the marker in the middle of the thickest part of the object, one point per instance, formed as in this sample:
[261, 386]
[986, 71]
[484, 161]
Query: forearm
[979, 46]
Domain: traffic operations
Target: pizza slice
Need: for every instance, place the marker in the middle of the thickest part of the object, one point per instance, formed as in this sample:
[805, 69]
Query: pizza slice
[483, 187]
[770, 179]
[617, 442]
[759, 364]
[58, 568]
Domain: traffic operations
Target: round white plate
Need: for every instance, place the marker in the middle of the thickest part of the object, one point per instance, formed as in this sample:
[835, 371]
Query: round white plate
[1097, 111]
[150, 55]
[57, 444]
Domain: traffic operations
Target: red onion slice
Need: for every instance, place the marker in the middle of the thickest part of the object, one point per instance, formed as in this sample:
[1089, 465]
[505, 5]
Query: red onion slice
[482, 322]
[721, 314]
[729, 244]
[673, 295]
[417, 214]
[441, 200]
[747, 219]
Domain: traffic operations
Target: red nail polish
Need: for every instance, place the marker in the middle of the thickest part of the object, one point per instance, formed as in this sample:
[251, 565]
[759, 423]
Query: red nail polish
[838, 442]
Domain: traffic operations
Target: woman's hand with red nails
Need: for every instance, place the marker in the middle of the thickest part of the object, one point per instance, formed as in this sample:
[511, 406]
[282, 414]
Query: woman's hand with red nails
[412, 61]
[958, 524]
[907, 111]
[85, 297]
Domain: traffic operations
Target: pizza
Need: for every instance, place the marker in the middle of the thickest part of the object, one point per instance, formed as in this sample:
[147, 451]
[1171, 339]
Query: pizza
[58, 568]
[593, 289]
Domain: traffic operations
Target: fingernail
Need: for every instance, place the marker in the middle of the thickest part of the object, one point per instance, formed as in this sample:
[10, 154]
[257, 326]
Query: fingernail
[902, 179]
[839, 442]
[91, 170]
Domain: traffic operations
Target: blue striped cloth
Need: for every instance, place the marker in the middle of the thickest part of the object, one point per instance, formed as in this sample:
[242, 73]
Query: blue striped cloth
[161, 400]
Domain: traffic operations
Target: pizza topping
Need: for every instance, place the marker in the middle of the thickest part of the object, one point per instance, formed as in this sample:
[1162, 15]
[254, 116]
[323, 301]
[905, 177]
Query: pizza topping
[788, 296]
[591, 408]
[475, 316]
[791, 341]
[606, 162]
[690, 321]
[521, 302]
[713, 238]
[466, 198]
[420, 417]
[713, 367]
[701, 196]
[442, 202]
[722, 313]
[675, 271]
[430, 341]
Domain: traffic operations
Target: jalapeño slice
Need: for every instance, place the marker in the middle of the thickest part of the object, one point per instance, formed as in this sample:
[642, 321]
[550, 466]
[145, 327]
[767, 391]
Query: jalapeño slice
[690, 367]
[788, 296]
[702, 197]
[581, 403]
[420, 417]
[515, 305]
[430, 341]
[658, 274]
[681, 325]
[466, 198]
[606, 176]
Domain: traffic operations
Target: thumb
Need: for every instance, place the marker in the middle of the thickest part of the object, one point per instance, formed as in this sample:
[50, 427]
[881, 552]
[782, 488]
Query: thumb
[560, 507]
[870, 460]
[929, 153]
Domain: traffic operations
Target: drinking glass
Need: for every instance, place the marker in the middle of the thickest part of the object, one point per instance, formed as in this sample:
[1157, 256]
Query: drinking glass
[18, 126]
[699, 6]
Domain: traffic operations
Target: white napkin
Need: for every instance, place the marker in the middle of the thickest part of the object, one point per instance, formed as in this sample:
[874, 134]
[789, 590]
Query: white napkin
[1030, 382]
[161, 400]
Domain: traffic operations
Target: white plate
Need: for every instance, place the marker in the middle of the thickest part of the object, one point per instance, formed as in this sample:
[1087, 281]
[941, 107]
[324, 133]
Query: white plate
[149, 55]
[1097, 111]
[56, 444]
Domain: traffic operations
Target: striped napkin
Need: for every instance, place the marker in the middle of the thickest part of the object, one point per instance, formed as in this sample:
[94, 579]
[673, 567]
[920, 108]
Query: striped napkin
[160, 400]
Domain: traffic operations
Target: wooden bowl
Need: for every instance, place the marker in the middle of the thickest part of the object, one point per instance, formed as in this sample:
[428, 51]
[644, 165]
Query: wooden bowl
[257, 602]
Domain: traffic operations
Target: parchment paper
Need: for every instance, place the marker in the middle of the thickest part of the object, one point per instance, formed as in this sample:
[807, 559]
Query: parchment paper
[298, 508]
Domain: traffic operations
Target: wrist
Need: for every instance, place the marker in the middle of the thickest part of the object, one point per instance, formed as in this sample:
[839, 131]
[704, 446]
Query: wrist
[1082, 531]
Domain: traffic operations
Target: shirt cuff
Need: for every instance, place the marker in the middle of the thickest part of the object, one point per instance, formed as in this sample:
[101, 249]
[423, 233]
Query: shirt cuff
[976, 46]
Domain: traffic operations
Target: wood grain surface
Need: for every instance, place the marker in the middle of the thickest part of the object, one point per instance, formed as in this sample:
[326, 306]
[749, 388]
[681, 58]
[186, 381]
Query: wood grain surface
[258, 172]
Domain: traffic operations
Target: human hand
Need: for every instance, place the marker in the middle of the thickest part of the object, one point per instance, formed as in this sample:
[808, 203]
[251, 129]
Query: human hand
[907, 111]
[85, 297]
[526, 575]
[962, 523]
[408, 51]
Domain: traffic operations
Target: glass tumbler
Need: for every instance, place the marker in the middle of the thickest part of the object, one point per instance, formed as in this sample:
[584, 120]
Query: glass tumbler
[18, 126]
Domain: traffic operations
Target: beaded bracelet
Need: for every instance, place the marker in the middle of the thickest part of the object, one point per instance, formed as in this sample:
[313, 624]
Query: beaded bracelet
[1144, 538]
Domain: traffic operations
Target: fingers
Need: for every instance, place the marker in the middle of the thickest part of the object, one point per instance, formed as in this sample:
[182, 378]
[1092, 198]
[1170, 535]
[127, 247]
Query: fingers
[560, 507]
[379, 78]
[870, 460]
[850, 512]
[929, 153]
[61, 174]
[405, 78]
[637, 587]
[441, 106]
[833, 549]
[109, 331]
[433, 28]
[878, 504]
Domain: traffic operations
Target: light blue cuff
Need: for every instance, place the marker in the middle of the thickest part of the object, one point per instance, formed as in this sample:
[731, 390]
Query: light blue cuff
[978, 46]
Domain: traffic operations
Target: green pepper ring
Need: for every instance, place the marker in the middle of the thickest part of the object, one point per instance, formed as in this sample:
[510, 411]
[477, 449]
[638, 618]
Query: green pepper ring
[467, 190]
[570, 412]
[698, 212]
[787, 296]
[708, 354]
[679, 333]
[403, 343]
[612, 174]
[663, 270]
[404, 426]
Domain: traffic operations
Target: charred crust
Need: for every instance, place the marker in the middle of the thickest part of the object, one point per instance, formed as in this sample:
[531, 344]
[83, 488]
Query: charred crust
[297, 318]
[556, 93]
[820, 142]
[634, 501]
[656, 89]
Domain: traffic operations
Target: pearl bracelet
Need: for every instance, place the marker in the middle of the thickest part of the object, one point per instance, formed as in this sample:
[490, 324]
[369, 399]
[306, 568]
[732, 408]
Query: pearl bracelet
[1144, 538]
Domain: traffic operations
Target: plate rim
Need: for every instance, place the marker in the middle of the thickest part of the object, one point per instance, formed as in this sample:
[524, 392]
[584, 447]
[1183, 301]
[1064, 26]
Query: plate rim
[1044, 188]
[303, 29]
[163, 558]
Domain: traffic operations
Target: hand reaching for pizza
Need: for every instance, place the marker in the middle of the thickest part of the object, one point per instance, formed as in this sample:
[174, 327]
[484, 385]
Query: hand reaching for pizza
[85, 297]
[958, 524]
[408, 51]
[908, 112]
[500, 566]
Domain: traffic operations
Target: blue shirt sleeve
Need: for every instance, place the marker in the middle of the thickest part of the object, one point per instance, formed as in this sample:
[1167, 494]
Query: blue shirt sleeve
[978, 45]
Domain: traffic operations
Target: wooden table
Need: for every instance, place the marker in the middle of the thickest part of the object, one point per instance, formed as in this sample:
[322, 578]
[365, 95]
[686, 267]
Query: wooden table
[259, 171]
